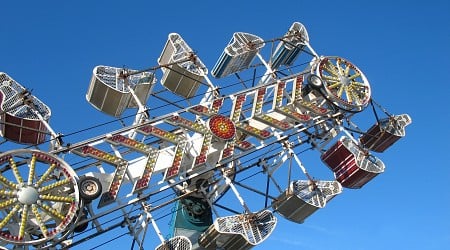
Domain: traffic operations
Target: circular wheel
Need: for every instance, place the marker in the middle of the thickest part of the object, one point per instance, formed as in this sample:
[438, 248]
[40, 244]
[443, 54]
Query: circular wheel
[90, 188]
[38, 197]
[210, 185]
[315, 81]
[344, 84]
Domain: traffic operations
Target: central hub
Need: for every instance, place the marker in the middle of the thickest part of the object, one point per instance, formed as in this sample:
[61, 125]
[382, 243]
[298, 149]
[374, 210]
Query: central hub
[222, 127]
[28, 195]
[345, 80]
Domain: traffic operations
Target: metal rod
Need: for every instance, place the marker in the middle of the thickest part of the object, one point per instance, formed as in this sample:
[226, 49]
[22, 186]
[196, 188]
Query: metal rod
[157, 67]
[165, 100]
[227, 208]
[155, 226]
[254, 190]
[236, 193]
[120, 224]
[267, 190]
[289, 171]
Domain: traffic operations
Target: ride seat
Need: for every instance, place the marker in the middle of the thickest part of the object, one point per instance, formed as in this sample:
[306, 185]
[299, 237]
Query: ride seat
[23, 116]
[242, 231]
[109, 92]
[238, 54]
[385, 133]
[353, 166]
[304, 197]
[182, 71]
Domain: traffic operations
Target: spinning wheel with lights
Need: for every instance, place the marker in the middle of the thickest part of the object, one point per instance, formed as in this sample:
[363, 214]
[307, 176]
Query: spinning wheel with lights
[39, 197]
[344, 84]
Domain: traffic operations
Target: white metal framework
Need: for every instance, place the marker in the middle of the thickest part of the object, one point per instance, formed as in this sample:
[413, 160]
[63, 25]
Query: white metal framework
[197, 144]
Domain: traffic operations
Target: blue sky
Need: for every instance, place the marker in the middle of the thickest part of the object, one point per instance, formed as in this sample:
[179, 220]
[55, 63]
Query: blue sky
[401, 46]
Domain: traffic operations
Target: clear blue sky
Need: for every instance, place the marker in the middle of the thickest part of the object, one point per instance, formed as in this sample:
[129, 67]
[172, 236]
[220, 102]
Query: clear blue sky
[403, 47]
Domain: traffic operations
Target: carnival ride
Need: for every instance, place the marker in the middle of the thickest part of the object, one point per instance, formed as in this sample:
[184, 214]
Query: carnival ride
[195, 147]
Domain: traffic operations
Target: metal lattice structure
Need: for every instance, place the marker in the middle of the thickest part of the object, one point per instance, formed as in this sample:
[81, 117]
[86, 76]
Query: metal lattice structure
[192, 145]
